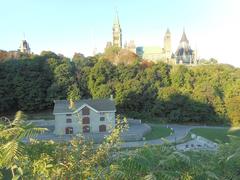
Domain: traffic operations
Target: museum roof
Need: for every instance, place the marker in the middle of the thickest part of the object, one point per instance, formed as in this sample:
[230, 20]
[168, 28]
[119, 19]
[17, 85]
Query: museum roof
[63, 106]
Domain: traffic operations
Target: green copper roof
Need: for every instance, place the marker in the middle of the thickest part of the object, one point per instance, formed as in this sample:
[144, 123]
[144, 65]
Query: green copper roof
[168, 31]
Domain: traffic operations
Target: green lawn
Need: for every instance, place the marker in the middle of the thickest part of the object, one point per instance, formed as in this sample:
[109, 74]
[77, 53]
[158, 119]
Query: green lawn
[158, 131]
[216, 135]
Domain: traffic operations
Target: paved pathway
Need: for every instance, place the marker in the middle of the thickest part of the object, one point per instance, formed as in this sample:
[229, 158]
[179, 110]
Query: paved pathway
[180, 131]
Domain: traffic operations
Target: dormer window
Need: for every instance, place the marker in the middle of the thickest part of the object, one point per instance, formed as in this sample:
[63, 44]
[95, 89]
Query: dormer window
[85, 111]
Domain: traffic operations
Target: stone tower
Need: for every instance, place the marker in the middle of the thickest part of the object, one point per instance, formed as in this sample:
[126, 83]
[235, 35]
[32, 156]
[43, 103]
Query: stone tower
[167, 44]
[117, 32]
[24, 47]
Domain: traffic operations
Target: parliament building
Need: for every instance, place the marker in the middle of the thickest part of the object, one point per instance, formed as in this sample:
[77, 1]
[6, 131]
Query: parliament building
[183, 55]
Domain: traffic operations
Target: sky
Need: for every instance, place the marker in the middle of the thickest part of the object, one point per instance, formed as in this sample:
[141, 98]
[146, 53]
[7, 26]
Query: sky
[69, 26]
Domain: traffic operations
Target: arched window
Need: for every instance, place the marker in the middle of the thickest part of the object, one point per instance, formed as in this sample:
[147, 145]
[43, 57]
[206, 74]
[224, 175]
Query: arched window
[68, 130]
[86, 129]
[102, 128]
[85, 120]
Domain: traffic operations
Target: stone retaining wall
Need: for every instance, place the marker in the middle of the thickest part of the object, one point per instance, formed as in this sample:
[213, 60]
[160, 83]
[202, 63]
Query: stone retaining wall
[42, 122]
[134, 121]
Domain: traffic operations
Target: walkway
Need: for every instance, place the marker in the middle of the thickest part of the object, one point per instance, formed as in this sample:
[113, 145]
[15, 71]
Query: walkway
[179, 132]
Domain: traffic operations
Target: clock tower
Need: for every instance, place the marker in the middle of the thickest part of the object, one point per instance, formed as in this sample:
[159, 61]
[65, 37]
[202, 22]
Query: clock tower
[117, 32]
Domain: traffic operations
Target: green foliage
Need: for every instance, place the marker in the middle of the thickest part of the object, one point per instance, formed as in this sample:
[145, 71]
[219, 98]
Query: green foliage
[100, 79]
[208, 61]
[78, 159]
[12, 135]
[233, 110]
[204, 93]
[81, 159]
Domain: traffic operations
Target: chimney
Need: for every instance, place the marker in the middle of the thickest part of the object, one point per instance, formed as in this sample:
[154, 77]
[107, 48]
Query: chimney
[111, 97]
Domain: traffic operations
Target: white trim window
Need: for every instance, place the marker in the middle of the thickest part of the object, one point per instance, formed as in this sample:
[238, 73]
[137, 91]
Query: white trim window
[68, 120]
[102, 118]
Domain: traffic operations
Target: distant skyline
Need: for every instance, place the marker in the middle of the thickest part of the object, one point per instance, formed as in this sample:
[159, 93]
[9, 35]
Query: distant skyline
[66, 27]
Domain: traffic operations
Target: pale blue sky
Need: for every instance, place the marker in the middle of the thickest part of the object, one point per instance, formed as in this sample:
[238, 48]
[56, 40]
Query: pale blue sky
[68, 26]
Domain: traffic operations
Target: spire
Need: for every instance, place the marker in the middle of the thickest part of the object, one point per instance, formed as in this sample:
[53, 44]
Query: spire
[168, 31]
[184, 37]
[116, 20]
[117, 31]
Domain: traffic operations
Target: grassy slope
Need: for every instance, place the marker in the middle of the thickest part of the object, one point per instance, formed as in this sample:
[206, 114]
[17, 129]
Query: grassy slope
[215, 134]
[158, 131]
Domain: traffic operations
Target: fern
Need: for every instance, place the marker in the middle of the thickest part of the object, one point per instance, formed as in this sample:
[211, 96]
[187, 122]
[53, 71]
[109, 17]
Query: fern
[11, 151]
[11, 147]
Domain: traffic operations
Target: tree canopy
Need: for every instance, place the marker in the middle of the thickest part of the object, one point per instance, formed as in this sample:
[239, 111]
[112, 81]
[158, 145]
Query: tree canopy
[203, 93]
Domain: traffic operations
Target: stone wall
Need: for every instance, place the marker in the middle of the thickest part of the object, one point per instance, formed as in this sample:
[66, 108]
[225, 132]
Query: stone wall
[42, 122]
[134, 121]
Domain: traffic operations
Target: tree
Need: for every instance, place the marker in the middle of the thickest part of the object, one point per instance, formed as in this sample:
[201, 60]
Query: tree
[49, 54]
[31, 80]
[7, 97]
[233, 110]
[116, 55]
[63, 80]
[73, 92]
[101, 76]
[111, 53]
[128, 72]
[182, 77]
[157, 75]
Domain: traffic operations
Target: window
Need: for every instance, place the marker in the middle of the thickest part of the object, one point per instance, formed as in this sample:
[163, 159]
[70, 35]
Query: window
[85, 111]
[68, 120]
[86, 129]
[102, 128]
[85, 120]
[69, 130]
[102, 118]
[68, 114]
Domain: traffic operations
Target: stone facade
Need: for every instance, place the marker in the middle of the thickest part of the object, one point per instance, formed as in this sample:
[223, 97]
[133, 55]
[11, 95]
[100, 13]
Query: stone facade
[167, 45]
[84, 119]
[117, 32]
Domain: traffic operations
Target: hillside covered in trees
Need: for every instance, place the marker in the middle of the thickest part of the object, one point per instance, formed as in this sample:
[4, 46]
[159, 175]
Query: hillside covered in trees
[204, 93]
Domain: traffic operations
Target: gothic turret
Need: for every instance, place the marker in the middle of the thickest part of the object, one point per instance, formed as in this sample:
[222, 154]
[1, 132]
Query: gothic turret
[117, 32]
[184, 53]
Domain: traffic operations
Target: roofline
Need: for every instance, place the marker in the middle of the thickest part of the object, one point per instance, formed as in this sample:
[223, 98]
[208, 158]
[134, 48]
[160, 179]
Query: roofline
[75, 112]
[85, 104]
